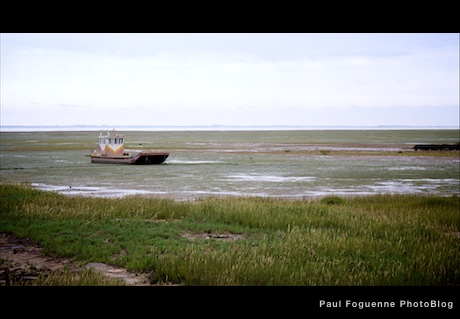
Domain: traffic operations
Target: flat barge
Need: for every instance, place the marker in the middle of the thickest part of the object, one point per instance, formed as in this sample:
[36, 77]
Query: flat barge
[111, 150]
[437, 147]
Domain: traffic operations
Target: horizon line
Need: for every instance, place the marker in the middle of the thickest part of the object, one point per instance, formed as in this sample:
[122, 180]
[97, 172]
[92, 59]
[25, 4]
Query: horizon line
[220, 125]
[19, 128]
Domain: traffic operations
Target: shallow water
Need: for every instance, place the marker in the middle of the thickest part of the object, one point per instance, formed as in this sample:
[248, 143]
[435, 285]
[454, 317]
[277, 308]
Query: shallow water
[278, 164]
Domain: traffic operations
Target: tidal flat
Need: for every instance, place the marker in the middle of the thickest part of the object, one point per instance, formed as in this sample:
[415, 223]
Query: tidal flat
[282, 164]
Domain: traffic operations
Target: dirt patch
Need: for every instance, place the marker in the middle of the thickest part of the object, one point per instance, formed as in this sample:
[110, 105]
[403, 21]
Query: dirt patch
[223, 236]
[22, 261]
[120, 273]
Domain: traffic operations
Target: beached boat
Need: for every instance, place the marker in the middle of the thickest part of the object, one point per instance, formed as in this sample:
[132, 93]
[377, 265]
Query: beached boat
[110, 150]
[437, 147]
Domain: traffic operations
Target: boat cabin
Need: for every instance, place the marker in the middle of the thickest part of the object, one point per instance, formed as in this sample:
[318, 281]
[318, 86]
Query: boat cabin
[111, 144]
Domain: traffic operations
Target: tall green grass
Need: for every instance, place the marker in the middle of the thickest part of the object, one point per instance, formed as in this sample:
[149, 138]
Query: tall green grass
[373, 240]
[66, 277]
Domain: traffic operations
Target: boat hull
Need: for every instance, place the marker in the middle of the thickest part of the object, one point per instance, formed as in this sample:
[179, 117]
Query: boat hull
[144, 158]
[437, 147]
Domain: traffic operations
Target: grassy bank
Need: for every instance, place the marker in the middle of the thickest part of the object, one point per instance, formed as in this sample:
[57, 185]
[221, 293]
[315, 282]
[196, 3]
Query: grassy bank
[373, 240]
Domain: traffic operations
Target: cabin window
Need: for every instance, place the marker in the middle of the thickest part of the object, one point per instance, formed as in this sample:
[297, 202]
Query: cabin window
[121, 141]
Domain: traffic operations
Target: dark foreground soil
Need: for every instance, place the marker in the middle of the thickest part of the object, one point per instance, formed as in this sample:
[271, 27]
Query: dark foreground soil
[22, 262]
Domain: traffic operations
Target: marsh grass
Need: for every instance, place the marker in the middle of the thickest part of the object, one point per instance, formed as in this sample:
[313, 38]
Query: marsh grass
[371, 240]
[84, 277]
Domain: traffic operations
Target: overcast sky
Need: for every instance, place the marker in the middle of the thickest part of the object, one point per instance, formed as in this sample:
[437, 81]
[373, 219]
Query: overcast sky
[323, 79]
